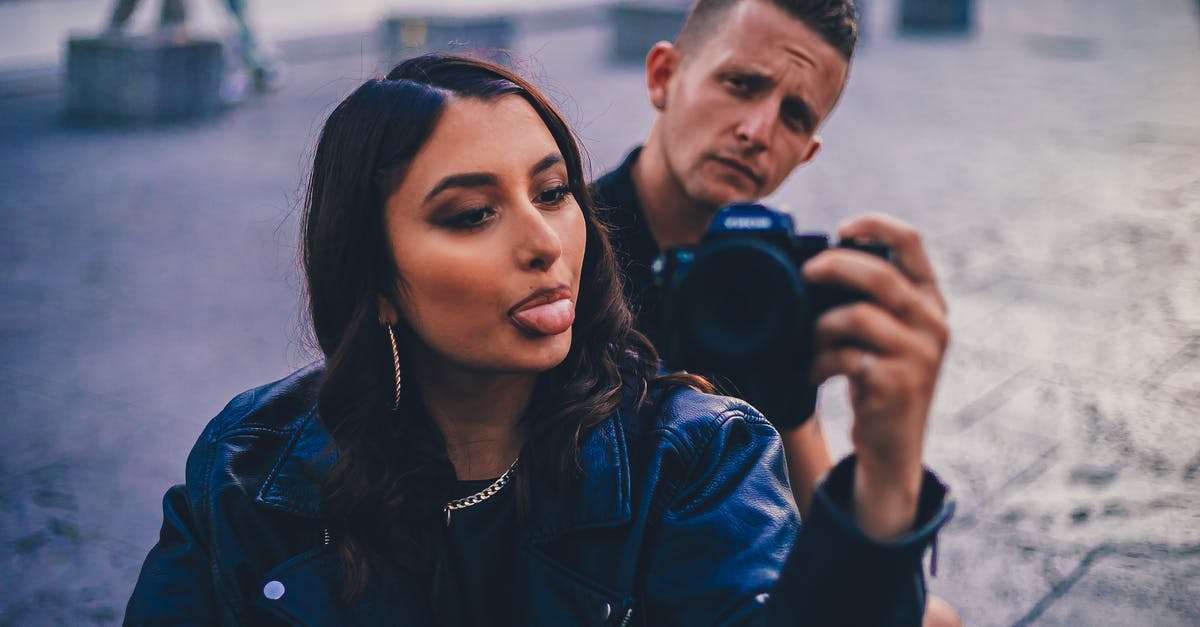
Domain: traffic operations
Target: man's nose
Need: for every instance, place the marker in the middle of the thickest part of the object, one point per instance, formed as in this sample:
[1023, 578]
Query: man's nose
[757, 123]
[539, 244]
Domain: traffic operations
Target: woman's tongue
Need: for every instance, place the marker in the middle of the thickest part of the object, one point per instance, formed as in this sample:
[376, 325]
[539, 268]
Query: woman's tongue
[549, 319]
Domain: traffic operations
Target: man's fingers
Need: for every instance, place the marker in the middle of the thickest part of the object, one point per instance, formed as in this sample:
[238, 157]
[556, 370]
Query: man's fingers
[866, 325]
[851, 361]
[905, 242]
[879, 280]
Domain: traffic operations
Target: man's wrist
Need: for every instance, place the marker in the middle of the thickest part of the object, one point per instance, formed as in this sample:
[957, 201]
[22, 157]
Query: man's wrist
[886, 499]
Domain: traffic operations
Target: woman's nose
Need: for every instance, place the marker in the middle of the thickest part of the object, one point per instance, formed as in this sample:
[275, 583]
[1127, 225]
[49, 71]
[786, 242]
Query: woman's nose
[540, 245]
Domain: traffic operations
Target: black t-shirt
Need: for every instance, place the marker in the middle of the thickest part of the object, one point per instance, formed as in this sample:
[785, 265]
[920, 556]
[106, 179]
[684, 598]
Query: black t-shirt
[475, 578]
[619, 207]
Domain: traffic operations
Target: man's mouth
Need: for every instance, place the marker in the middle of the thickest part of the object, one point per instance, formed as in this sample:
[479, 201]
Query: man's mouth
[740, 167]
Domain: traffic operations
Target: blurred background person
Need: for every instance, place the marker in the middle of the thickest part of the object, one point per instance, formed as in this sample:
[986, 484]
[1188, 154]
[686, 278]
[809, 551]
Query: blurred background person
[265, 73]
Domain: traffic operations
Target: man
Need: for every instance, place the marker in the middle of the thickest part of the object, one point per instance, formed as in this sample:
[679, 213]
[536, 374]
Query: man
[740, 96]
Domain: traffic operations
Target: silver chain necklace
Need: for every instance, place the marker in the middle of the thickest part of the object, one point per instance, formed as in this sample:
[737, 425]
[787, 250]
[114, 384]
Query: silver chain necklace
[482, 495]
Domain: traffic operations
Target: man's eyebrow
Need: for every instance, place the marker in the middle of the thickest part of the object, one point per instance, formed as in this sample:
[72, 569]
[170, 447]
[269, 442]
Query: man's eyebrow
[473, 179]
[759, 80]
[756, 77]
[546, 163]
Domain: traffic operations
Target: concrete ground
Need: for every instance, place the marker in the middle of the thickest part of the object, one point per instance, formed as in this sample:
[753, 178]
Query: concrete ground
[1052, 160]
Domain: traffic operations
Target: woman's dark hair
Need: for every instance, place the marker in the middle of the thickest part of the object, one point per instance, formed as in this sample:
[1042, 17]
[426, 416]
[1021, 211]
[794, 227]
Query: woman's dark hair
[392, 474]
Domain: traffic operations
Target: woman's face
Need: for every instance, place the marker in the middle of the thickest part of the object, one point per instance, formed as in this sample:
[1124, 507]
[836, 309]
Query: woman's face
[488, 241]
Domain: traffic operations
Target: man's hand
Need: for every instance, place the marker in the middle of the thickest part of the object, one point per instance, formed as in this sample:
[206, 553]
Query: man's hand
[939, 613]
[890, 346]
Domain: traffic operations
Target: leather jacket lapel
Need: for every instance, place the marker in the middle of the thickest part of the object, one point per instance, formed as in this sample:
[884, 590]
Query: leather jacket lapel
[599, 496]
[294, 483]
[569, 598]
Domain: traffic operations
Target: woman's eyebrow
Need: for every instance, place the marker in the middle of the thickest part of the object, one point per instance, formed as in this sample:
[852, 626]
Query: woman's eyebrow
[483, 179]
[545, 163]
[474, 179]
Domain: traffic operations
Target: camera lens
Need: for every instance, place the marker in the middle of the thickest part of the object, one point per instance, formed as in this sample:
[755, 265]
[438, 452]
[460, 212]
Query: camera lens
[740, 298]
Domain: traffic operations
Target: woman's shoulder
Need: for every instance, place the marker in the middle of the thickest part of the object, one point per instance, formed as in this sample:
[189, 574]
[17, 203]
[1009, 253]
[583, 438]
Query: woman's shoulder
[266, 440]
[280, 406]
[244, 443]
[691, 419]
[697, 452]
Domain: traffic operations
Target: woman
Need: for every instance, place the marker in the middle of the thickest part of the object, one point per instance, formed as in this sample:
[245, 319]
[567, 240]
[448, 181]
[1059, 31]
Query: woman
[486, 441]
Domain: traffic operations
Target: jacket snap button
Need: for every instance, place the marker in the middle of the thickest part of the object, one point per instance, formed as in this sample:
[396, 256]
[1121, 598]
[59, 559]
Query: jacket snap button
[273, 590]
[605, 612]
[762, 598]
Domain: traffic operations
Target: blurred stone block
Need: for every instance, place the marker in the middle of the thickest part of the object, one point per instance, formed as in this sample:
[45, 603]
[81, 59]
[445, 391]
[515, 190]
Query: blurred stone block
[638, 25]
[143, 78]
[489, 37]
[935, 16]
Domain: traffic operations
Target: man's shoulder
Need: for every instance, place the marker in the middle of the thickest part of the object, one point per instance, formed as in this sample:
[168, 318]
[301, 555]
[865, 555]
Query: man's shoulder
[614, 189]
[603, 188]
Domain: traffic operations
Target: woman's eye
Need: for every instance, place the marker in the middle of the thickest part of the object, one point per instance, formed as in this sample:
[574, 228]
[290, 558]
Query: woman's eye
[470, 219]
[554, 195]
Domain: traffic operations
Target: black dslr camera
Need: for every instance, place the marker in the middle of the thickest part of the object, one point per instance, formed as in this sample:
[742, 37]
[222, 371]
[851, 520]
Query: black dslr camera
[736, 307]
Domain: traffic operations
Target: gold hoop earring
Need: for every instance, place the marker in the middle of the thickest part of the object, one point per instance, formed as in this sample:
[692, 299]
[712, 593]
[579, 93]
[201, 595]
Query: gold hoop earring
[396, 365]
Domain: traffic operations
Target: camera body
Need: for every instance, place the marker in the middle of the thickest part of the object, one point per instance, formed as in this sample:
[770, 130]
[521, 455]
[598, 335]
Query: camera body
[737, 308]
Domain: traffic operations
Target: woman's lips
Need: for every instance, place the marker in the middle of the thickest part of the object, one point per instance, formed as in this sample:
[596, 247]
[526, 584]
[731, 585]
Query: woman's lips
[546, 319]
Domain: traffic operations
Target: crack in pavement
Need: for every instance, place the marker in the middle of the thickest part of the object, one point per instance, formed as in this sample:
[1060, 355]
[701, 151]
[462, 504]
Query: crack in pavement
[1131, 550]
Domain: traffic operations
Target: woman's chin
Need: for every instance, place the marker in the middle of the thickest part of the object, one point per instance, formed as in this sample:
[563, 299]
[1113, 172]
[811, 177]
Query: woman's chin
[526, 356]
[547, 353]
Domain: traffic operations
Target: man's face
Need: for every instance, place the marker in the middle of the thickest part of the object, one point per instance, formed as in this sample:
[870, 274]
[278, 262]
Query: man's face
[741, 109]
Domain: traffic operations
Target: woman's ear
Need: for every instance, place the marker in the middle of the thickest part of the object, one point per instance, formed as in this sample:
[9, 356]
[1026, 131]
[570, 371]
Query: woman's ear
[661, 64]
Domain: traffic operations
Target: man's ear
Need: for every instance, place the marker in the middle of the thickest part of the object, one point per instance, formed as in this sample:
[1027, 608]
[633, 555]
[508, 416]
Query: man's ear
[662, 62]
[814, 146]
[387, 311]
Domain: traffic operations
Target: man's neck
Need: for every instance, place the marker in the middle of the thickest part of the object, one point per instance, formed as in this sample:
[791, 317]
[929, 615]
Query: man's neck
[674, 219]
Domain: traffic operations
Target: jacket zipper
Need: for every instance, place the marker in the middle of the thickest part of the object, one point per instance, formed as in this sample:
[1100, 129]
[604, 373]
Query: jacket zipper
[628, 616]
[325, 537]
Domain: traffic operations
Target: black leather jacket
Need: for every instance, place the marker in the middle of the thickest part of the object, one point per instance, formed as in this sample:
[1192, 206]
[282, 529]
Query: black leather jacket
[683, 517]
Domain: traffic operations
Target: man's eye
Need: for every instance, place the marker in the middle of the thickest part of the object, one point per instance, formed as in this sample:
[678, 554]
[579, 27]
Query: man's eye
[797, 117]
[737, 83]
[470, 219]
[554, 195]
